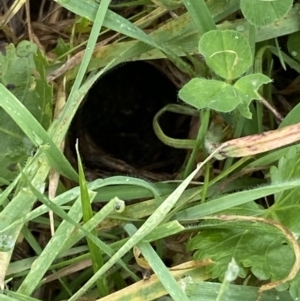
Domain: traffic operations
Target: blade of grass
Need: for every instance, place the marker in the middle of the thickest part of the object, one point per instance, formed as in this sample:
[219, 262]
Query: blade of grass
[98, 22]
[204, 117]
[11, 12]
[35, 132]
[40, 167]
[158, 267]
[69, 224]
[169, 34]
[153, 221]
[22, 203]
[13, 296]
[87, 214]
[232, 200]
[75, 192]
[200, 14]
[8, 190]
[59, 239]
[152, 289]
[259, 143]
[124, 26]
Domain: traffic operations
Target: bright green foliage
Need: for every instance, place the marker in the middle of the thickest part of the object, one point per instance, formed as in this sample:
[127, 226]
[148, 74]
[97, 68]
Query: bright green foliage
[262, 13]
[22, 72]
[247, 87]
[295, 287]
[227, 53]
[286, 207]
[213, 94]
[260, 247]
[217, 95]
[257, 248]
[266, 254]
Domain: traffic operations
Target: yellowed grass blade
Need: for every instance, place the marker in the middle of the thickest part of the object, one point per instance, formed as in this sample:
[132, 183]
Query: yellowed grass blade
[259, 143]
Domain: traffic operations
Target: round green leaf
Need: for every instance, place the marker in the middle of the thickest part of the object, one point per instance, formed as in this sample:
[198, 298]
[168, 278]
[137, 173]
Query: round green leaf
[262, 12]
[226, 52]
[212, 94]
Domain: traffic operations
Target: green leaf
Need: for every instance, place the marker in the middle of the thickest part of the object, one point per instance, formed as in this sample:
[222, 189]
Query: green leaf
[262, 12]
[213, 94]
[258, 247]
[61, 48]
[22, 72]
[247, 87]
[208, 291]
[226, 52]
[295, 287]
[216, 95]
[286, 207]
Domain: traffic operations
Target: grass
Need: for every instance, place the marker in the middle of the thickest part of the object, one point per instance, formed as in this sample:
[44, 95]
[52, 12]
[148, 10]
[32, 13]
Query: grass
[229, 228]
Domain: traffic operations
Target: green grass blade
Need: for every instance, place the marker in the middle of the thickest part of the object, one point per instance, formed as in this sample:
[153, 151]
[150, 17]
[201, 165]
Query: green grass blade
[98, 22]
[87, 214]
[75, 193]
[13, 296]
[122, 25]
[56, 131]
[229, 201]
[69, 224]
[35, 132]
[158, 267]
[152, 222]
[8, 190]
[200, 14]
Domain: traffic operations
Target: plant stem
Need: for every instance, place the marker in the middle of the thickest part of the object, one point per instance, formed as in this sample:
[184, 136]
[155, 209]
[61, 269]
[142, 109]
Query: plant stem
[204, 118]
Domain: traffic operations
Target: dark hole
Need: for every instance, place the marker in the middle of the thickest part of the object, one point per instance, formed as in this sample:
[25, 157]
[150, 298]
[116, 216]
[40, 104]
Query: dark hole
[117, 116]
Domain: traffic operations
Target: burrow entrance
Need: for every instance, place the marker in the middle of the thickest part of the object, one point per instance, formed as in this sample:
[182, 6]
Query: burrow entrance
[114, 124]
